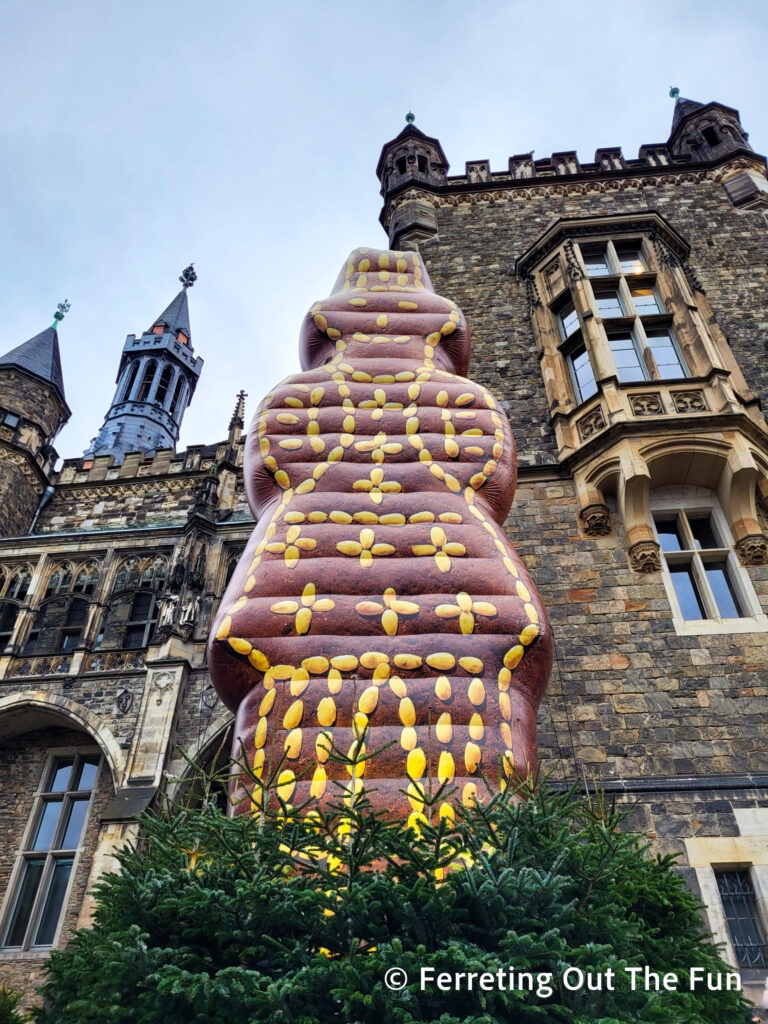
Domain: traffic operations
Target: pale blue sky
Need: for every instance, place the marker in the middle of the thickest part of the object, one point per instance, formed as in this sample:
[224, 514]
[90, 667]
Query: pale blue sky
[137, 136]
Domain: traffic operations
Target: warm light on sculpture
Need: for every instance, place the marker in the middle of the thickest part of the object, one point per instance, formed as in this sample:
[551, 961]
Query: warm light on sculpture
[379, 599]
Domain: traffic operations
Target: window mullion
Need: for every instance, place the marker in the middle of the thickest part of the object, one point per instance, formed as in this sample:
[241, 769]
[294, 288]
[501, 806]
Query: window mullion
[705, 591]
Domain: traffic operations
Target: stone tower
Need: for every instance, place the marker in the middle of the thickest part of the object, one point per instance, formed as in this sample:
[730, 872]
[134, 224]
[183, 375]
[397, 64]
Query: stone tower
[409, 162]
[33, 410]
[155, 382]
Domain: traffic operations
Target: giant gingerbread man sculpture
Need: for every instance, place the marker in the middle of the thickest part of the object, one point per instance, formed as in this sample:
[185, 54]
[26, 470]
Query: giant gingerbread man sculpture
[378, 599]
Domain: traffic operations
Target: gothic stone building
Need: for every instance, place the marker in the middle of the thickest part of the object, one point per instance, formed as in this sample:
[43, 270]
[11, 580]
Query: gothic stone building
[617, 309]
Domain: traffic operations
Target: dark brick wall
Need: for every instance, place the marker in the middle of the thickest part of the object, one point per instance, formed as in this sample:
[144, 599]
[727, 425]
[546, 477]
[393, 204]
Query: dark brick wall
[18, 499]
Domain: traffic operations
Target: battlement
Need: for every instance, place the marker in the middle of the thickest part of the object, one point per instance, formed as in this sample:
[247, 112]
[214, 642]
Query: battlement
[522, 166]
[159, 463]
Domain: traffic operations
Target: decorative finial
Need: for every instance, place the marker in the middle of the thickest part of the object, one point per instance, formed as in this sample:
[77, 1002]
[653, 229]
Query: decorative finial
[238, 416]
[188, 276]
[410, 117]
[61, 311]
[674, 92]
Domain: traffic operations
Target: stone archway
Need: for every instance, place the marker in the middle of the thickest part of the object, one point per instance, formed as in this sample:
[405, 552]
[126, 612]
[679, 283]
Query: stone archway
[33, 709]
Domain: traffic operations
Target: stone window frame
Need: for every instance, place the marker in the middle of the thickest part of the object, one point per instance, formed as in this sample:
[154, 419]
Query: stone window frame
[554, 272]
[669, 500]
[24, 853]
[746, 851]
[595, 331]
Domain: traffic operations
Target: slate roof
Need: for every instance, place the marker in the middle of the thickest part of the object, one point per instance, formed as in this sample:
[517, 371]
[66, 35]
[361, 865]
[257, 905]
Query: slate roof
[176, 316]
[39, 356]
[683, 108]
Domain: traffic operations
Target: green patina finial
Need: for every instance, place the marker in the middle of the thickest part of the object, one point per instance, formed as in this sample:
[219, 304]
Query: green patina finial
[188, 276]
[674, 92]
[410, 117]
[61, 311]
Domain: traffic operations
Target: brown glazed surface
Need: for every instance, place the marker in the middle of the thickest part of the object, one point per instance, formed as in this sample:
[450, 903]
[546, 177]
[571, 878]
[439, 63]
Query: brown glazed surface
[378, 600]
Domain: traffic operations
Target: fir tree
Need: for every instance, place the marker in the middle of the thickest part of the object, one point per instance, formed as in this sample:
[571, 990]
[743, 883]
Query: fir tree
[296, 914]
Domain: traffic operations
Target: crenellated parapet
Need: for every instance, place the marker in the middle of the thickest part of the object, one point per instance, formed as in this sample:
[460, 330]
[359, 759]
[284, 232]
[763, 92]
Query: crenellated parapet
[413, 170]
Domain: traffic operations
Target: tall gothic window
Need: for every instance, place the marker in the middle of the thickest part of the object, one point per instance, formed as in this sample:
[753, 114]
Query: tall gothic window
[14, 585]
[146, 381]
[60, 621]
[176, 401]
[163, 385]
[130, 381]
[133, 609]
[45, 864]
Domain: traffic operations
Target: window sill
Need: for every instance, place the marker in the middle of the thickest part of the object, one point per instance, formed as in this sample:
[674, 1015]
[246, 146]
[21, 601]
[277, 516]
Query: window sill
[714, 627]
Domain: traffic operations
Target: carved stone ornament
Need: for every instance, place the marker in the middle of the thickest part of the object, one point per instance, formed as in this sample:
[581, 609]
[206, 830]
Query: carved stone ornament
[596, 520]
[753, 549]
[591, 423]
[647, 405]
[574, 270]
[162, 680]
[645, 556]
[209, 696]
[689, 401]
[370, 562]
[124, 700]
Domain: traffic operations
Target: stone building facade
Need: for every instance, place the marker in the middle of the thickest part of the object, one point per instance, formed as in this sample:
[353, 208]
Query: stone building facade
[618, 310]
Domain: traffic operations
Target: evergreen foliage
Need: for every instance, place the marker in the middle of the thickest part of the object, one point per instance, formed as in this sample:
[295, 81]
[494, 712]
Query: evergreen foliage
[295, 915]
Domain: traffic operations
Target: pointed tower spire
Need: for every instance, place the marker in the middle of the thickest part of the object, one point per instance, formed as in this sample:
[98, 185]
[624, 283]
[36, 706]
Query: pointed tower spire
[704, 132]
[237, 422]
[155, 382]
[40, 356]
[34, 411]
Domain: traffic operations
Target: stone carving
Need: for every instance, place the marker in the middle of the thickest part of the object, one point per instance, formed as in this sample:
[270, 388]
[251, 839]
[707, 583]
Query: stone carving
[591, 423]
[115, 661]
[209, 697]
[190, 609]
[379, 599]
[753, 549]
[168, 611]
[596, 520]
[574, 269]
[162, 680]
[647, 405]
[689, 401]
[645, 556]
[124, 700]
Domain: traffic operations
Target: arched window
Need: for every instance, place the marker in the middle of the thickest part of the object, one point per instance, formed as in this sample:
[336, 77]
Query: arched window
[177, 395]
[146, 381]
[60, 580]
[162, 387]
[9, 612]
[80, 579]
[135, 572]
[58, 625]
[130, 381]
[14, 582]
[135, 604]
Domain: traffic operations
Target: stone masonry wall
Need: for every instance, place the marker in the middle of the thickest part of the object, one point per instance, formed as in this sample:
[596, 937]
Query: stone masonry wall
[473, 262]
[22, 761]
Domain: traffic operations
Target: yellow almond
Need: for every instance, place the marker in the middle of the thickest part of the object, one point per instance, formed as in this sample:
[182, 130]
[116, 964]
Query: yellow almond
[415, 763]
[293, 744]
[407, 711]
[369, 698]
[471, 665]
[476, 692]
[316, 665]
[326, 711]
[443, 688]
[444, 728]
[472, 756]
[442, 661]
[407, 662]
[476, 727]
[293, 715]
[445, 768]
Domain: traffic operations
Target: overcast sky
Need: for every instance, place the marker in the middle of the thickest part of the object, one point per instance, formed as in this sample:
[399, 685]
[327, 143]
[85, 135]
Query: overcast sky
[139, 135]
